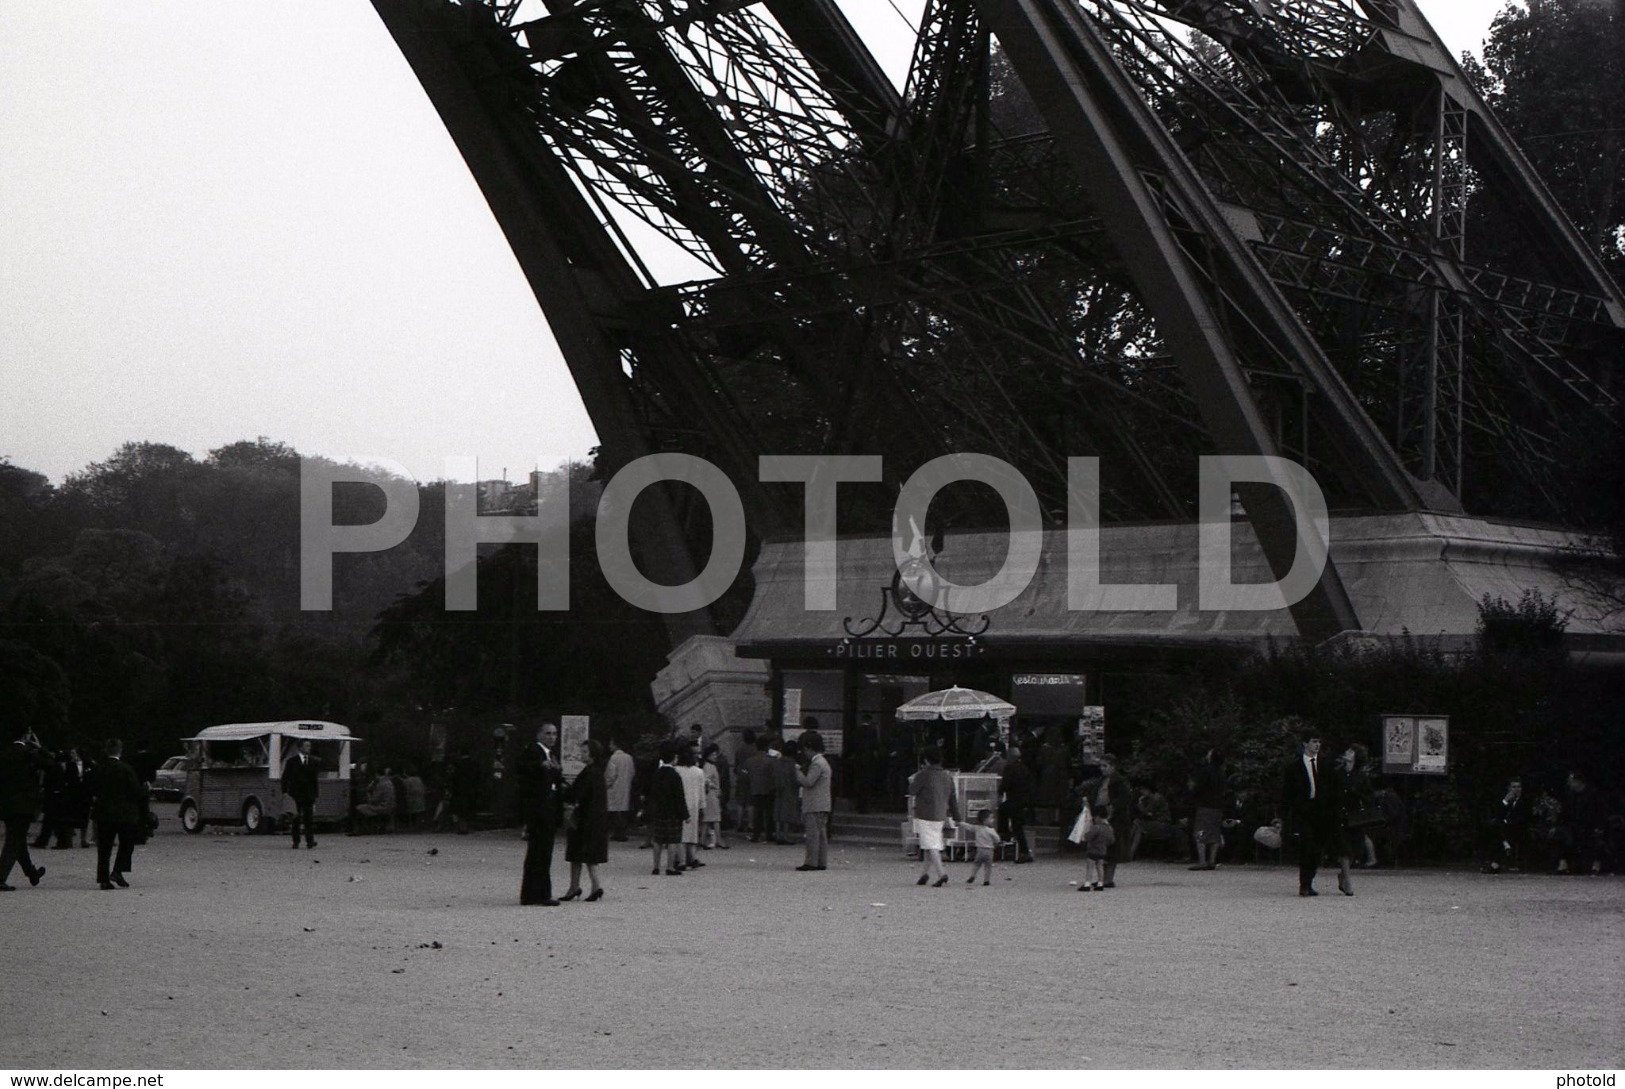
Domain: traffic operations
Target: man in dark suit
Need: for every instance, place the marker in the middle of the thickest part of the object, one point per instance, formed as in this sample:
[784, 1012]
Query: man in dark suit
[542, 807]
[21, 762]
[55, 818]
[119, 805]
[1312, 804]
[299, 784]
[1016, 789]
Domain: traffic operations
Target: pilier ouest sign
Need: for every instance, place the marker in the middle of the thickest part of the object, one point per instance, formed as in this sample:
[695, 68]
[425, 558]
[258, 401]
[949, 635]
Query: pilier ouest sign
[466, 530]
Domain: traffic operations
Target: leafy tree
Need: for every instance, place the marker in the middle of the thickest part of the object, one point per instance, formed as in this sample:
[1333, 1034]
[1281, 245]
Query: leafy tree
[508, 657]
[144, 486]
[29, 524]
[33, 691]
[1554, 72]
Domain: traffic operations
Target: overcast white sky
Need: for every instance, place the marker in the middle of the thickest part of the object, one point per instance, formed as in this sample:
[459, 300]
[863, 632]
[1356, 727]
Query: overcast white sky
[223, 220]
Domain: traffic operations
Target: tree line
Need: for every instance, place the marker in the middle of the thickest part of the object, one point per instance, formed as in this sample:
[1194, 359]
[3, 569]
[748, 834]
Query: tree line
[155, 593]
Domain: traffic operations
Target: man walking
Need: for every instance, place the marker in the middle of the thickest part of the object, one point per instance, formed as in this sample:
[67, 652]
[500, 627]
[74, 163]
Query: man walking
[299, 784]
[815, 801]
[540, 803]
[20, 799]
[118, 804]
[1310, 802]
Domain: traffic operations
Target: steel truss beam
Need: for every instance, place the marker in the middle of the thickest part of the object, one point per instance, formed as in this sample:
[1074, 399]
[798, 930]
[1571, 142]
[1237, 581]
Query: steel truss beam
[1250, 239]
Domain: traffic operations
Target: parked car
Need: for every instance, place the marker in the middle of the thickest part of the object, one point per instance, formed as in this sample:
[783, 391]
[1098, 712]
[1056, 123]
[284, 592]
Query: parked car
[169, 783]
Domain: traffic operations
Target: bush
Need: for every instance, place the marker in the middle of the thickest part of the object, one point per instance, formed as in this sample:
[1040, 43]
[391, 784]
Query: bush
[1515, 702]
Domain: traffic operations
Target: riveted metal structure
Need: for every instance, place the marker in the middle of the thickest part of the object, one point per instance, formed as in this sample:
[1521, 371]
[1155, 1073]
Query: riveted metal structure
[1143, 230]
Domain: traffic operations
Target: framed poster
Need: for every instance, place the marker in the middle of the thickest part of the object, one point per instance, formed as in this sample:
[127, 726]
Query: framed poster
[1432, 745]
[792, 708]
[1415, 744]
[572, 736]
[1398, 743]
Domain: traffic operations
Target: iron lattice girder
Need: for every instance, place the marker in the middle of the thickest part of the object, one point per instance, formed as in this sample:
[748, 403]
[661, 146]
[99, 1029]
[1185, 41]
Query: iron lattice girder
[770, 305]
[831, 288]
[1406, 265]
[1158, 213]
[777, 152]
[1258, 129]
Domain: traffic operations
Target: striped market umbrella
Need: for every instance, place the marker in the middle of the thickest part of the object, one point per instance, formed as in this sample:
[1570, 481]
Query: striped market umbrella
[954, 703]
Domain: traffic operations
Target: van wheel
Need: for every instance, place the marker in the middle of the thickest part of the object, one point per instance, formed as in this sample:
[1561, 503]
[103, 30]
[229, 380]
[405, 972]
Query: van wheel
[191, 819]
[254, 818]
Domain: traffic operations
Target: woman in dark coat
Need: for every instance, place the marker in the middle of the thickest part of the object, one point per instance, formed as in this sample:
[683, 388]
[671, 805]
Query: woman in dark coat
[1208, 823]
[587, 842]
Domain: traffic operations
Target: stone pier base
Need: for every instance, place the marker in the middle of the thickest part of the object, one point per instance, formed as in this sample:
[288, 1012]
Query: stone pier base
[704, 682]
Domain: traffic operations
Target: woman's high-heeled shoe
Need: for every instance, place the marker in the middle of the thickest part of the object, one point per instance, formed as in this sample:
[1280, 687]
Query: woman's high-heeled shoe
[924, 877]
[595, 894]
[573, 894]
[939, 882]
[1343, 886]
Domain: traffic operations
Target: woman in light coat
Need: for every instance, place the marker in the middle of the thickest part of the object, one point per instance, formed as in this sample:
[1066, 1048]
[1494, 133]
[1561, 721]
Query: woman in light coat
[711, 817]
[618, 775]
[694, 795]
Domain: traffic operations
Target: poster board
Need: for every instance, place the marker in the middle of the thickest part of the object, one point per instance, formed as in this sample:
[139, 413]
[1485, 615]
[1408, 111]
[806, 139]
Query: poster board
[1415, 744]
[572, 738]
[792, 708]
[1092, 734]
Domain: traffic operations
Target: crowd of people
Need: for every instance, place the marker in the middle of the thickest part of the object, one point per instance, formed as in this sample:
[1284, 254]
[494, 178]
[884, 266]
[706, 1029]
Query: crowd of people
[774, 789]
[680, 802]
[72, 795]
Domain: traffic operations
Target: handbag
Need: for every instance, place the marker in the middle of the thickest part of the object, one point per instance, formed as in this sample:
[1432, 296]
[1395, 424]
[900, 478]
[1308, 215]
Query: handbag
[1365, 818]
[1268, 835]
[1080, 827]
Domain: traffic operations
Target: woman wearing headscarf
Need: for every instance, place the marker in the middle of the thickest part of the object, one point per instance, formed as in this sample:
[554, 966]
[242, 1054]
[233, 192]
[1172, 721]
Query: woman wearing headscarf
[587, 841]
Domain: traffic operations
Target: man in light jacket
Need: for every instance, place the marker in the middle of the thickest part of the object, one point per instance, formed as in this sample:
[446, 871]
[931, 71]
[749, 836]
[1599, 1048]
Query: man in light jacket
[814, 778]
[618, 774]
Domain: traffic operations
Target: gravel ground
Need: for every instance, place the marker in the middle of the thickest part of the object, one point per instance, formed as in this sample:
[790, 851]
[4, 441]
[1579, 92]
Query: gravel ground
[236, 952]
